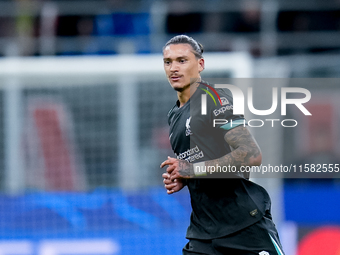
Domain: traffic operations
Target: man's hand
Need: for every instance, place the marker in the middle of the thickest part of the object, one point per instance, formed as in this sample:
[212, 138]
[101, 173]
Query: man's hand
[178, 169]
[172, 186]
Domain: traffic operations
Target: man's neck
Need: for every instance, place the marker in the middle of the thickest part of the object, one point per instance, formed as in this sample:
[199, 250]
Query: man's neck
[184, 96]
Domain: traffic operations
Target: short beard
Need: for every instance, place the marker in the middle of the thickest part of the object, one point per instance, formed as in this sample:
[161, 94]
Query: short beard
[182, 89]
[192, 82]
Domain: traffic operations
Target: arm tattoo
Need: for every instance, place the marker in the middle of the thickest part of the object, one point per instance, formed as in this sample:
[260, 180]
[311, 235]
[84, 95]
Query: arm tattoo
[185, 169]
[245, 151]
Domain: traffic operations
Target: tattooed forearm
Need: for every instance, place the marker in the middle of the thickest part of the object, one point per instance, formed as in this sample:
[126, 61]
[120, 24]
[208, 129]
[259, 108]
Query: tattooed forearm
[245, 151]
[185, 169]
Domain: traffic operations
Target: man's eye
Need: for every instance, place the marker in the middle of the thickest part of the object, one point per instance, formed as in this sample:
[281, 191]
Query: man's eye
[182, 61]
[167, 62]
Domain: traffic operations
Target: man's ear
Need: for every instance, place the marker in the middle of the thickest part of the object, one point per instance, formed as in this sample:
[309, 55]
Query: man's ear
[201, 64]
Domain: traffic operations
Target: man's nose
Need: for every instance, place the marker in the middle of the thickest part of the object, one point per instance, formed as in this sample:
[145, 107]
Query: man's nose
[174, 66]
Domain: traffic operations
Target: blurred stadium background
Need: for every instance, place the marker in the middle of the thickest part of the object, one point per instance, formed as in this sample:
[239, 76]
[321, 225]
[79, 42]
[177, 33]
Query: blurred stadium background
[83, 129]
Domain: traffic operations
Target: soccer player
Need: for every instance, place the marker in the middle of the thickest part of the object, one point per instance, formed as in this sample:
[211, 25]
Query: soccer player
[230, 214]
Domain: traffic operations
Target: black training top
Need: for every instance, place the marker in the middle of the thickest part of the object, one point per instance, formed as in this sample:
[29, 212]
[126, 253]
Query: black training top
[219, 206]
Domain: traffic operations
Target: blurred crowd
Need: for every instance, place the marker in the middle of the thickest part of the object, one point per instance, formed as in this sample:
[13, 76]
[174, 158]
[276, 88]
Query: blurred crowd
[42, 27]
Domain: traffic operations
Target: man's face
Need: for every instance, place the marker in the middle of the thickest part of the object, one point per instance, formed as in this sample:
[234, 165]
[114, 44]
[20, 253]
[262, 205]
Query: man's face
[181, 65]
